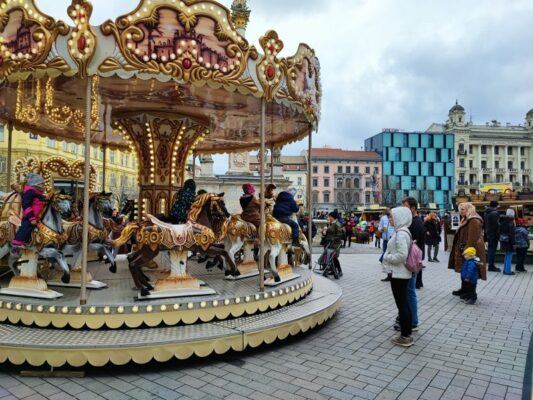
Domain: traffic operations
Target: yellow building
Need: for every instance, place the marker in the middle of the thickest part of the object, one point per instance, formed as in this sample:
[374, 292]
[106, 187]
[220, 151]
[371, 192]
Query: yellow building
[121, 168]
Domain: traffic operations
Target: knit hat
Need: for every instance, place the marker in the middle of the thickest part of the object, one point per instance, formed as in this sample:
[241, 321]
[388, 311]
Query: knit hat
[334, 214]
[292, 191]
[470, 251]
[494, 204]
[34, 179]
[520, 221]
[248, 188]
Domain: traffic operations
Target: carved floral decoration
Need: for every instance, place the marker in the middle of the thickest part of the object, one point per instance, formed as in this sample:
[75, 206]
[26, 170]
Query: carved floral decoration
[82, 40]
[270, 68]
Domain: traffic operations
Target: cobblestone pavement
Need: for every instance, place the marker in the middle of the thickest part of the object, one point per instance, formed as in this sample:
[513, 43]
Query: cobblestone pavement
[460, 352]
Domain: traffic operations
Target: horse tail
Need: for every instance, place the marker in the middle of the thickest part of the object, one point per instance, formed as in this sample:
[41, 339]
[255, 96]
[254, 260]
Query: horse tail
[126, 234]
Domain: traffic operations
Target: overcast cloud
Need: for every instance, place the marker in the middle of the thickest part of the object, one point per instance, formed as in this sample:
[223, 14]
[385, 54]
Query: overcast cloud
[396, 64]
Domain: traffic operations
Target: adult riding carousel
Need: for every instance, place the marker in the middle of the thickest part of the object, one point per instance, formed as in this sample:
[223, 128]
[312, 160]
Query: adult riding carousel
[168, 80]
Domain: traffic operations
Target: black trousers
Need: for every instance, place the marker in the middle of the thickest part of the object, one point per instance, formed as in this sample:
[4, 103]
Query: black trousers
[520, 258]
[419, 282]
[348, 237]
[469, 291]
[399, 291]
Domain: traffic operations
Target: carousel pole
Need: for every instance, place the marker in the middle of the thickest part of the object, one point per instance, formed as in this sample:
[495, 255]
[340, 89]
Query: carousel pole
[9, 149]
[87, 171]
[262, 224]
[193, 165]
[309, 198]
[272, 164]
[104, 165]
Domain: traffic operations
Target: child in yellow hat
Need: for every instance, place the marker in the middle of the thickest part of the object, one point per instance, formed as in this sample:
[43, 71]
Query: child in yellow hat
[470, 275]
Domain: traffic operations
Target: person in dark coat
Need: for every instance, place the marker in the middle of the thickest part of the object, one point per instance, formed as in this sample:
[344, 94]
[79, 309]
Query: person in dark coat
[492, 233]
[433, 231]
[184, 199]
[283, 209]
[507, 240]
[469, 234]
[521, 244]
[251, 208]
[333, 238]
[304, 225]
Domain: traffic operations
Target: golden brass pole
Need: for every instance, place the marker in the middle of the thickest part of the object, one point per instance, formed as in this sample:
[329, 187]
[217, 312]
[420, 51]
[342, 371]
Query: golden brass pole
[262, 225]
[309, 198]
[9, 149]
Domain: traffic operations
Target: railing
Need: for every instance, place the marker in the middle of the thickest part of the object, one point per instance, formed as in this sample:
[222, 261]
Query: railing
[513, 170]
[462, 152]
[500, 170]
[462, 183]
[526, 171]
[487, 169]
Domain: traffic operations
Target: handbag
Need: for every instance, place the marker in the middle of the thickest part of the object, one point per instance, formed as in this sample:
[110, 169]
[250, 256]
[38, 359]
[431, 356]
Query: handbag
[504, 238]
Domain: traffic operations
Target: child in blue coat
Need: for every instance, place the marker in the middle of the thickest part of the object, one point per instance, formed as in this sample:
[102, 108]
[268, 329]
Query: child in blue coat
[470, 275]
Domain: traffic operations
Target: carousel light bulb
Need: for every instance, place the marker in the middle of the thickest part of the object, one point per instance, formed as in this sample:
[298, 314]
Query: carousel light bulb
[154, 56]
[200, 59]
[176, 306]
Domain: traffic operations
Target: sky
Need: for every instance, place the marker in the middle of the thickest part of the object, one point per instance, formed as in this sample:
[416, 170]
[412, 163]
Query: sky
[394, 64]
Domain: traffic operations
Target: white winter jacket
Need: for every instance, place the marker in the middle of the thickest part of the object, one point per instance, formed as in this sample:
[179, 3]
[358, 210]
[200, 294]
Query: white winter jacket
[398, 248]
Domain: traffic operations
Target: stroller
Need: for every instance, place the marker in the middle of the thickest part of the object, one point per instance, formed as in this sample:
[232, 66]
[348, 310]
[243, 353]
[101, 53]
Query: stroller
[325, 264]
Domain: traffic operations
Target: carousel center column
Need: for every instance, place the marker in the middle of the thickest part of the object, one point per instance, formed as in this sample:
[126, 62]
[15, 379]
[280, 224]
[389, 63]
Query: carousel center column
[163, 143]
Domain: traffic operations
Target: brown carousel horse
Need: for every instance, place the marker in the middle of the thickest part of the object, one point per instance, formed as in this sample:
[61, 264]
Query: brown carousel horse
[206, 226]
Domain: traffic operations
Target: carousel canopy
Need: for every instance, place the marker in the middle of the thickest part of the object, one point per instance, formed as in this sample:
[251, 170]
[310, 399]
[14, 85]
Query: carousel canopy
[179, 67]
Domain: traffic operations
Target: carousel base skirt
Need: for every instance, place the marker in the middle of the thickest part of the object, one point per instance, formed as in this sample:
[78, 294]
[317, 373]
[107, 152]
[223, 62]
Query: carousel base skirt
[58, 347]
[32, 293]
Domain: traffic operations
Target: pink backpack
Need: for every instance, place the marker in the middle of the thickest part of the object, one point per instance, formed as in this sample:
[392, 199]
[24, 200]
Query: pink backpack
[414, 257]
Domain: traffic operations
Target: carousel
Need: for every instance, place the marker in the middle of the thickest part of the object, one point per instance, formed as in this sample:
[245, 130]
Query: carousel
[167, 81]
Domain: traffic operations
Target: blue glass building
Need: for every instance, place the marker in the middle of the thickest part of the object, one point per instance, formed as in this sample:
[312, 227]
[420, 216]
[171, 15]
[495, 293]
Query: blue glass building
[418, 164]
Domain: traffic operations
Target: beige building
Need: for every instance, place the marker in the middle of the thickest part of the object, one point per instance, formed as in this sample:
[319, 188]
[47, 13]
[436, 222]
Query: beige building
[489, 153]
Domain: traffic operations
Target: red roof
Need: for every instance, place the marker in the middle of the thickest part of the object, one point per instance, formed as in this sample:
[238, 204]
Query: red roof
[327, 152]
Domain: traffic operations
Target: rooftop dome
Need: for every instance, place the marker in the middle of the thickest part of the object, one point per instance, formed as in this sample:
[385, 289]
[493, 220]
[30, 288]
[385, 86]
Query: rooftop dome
[530, 113]
[457, 107]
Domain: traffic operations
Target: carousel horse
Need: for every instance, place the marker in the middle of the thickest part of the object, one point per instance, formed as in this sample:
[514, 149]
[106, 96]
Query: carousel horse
[46, 240]
[205, 227]
[99, 230]
[242, 234]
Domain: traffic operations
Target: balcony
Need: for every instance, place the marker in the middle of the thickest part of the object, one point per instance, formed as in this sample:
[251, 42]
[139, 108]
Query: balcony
[513, 171]
[487, 170]
[501, 170]
[462, 183]
[526, 171]
[462, 152]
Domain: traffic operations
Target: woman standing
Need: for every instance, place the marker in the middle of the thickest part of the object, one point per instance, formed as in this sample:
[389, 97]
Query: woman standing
[507, 240]
[469, 234]
[394, 264]
[433, 231]
[349, 224]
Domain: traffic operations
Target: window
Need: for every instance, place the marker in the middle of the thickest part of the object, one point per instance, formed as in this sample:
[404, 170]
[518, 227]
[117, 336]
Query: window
[470, 149]
[510, 165]
[471, 163]
[3, 165]
[496, 150]
[376, 170]
[83, 150]
[339, 169]
[315, 197]
[367, 183]
[509, 151]
[496, 164]
[339, 183]
[95, 153]
[462, 178]
[367, 170]
[461, 163]
[299, 180]
[348, 183]
[461, 147]
[112, 156]
[74, 148]
[413, 182]
[522, 151]
[356, 170]
[315, 169]
[483, 164]
[522, 165]
[356, 183]
[1, 133]
[326, 182]
[112, 181]
[51, 143]
[315, 182]
[348, 170]
[33, 136]
[483, 149]
[326, 197]
[340, 198]
[326, 169]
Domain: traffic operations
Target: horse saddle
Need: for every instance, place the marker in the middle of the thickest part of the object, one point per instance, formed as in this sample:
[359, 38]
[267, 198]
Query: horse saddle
[184, 235]
[239, 227]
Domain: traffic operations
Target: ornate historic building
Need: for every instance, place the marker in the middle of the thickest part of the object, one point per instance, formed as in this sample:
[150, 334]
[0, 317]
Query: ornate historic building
[489, 153]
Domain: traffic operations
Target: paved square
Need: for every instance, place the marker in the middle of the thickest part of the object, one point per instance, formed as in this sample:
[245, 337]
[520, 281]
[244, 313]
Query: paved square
[460, 352]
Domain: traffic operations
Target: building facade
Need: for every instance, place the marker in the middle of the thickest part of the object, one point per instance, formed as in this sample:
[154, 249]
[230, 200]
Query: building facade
[344, 179]
[418, 164]
[489, 153]
[121, 168]
[291, 168]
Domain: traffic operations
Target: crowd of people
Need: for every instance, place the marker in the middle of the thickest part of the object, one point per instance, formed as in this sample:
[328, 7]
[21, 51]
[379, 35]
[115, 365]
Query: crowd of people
[403, 227]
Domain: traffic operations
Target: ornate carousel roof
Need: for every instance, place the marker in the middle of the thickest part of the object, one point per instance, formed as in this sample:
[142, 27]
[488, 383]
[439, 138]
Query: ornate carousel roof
[183, 64]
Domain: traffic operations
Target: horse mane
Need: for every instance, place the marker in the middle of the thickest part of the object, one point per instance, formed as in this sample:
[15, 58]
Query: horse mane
[197, 207]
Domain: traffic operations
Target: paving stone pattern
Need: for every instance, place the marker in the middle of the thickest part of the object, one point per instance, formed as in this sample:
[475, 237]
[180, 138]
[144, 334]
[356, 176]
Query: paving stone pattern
[460, 352]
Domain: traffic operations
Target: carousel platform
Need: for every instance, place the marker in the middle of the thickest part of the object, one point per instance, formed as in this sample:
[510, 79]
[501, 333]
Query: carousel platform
[114, 327]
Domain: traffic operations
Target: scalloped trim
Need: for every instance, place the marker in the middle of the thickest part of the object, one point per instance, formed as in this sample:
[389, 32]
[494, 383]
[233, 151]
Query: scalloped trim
[151, 315]
[162, 353]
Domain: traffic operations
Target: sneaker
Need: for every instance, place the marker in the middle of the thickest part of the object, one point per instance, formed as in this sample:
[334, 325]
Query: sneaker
[403, 341]
[430, 260]
[492, 268]
[414, 328]
[469, 301]
[509, 273]
[436, 260]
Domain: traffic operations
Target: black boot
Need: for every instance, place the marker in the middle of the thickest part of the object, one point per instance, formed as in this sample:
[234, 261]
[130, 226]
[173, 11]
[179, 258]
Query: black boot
[387, 279]
[460, 291]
